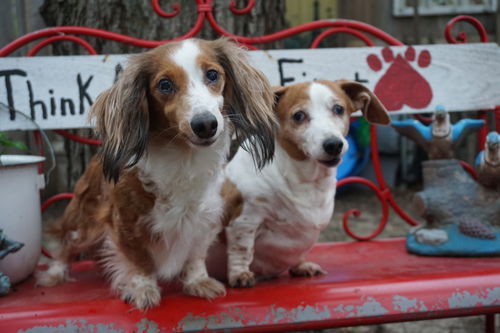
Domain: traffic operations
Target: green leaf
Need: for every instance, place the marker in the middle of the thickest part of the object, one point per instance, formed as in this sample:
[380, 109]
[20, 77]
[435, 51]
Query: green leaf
[5, 142]
[19, 145]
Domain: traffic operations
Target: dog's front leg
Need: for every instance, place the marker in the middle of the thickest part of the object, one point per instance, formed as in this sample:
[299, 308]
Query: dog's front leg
[131, 270]
[240, 235]
[194, 274]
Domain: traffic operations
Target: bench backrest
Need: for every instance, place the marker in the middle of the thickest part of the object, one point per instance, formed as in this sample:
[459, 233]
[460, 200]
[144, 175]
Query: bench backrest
[56, 92]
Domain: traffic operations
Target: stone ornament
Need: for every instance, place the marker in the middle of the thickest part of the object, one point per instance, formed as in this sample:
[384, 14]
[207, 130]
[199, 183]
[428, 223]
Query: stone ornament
[462, 215]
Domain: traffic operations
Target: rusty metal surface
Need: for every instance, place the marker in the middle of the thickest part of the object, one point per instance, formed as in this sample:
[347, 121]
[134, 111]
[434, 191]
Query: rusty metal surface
[368, 282]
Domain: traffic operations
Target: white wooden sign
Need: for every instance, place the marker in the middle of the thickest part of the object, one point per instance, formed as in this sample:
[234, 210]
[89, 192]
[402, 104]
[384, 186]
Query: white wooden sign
[56, 92]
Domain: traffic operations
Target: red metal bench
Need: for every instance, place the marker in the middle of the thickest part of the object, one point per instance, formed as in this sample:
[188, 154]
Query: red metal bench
[368, 282]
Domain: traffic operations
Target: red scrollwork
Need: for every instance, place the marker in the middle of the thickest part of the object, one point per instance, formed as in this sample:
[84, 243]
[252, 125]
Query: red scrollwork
[346, 30]
[380, 178]
[385, 209]
[362, 31]
[58, 197]
[204, 13]
[156, 7]
[354, 25]
[78, 138]
[497, 118]
[54, 39]
[246, 10]
[462, 36]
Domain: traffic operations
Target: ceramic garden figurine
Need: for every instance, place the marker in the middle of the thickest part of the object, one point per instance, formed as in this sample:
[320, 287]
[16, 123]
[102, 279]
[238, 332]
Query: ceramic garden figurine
[6, 246]
[488, 162]
[462, 216]
[440, 138]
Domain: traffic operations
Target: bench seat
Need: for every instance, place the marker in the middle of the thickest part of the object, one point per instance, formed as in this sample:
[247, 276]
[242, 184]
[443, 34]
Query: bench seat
[367, 283]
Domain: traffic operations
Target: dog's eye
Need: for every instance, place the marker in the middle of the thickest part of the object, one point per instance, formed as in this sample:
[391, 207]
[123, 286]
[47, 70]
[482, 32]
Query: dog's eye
[299, 116]
[166, 86]
[212, 75]
[338, 109]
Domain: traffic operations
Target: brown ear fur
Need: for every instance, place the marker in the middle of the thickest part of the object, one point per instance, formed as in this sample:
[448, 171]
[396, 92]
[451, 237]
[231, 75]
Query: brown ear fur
[122, 119]
[249, 101]
[366, 101]
[278, 92]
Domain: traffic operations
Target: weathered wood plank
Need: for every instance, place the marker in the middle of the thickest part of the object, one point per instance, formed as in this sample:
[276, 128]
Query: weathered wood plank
[57, 91]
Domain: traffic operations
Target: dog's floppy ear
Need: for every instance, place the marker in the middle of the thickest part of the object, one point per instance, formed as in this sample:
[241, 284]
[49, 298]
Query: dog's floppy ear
[366, 101]
[278, 92]
[122, 120]
[248, 100]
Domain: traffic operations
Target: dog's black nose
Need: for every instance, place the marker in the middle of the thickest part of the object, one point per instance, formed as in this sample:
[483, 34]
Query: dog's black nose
[204, 125]
[333, 146]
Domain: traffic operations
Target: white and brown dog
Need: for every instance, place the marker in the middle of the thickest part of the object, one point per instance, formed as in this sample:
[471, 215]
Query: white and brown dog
[273, 217]
[151, 201]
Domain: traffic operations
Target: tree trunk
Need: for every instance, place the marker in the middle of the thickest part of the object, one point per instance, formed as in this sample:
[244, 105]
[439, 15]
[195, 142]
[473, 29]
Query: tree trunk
[137, 18]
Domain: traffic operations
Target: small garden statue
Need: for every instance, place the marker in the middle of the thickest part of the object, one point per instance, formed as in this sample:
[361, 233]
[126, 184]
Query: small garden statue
[488, 162]
[462, 215]
[6, 246]
[440, 138]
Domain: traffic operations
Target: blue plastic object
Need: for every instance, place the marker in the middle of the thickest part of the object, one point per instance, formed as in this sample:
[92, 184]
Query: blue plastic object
[350, 160]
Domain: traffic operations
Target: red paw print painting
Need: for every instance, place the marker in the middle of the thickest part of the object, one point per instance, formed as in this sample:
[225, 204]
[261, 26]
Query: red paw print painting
[401, 84]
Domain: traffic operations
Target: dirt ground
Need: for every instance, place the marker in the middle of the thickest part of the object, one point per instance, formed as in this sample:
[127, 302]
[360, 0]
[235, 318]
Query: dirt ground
[367, 202]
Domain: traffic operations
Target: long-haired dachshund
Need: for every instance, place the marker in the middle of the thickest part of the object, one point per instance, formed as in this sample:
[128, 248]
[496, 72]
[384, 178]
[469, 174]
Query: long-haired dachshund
[150, 201]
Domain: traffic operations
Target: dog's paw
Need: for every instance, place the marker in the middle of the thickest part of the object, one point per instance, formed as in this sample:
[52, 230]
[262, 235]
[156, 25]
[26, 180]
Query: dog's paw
[142, 292]
[206, 288]
[57, 273]
[242, 280]
[306, 268]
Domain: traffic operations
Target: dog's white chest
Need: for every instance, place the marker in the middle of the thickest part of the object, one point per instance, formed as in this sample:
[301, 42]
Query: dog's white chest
[290, 206]
[287, 235]
[187, 209]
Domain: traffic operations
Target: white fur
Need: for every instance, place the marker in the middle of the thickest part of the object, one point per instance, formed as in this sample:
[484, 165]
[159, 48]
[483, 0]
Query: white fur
[289, 202]
[199, 97]
[298, 205]
[54, 275]
[323, 124]
[186, 214]
[142, 291]
[188, 204]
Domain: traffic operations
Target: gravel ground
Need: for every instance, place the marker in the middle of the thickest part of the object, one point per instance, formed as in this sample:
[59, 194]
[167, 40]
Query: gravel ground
[367, 202]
